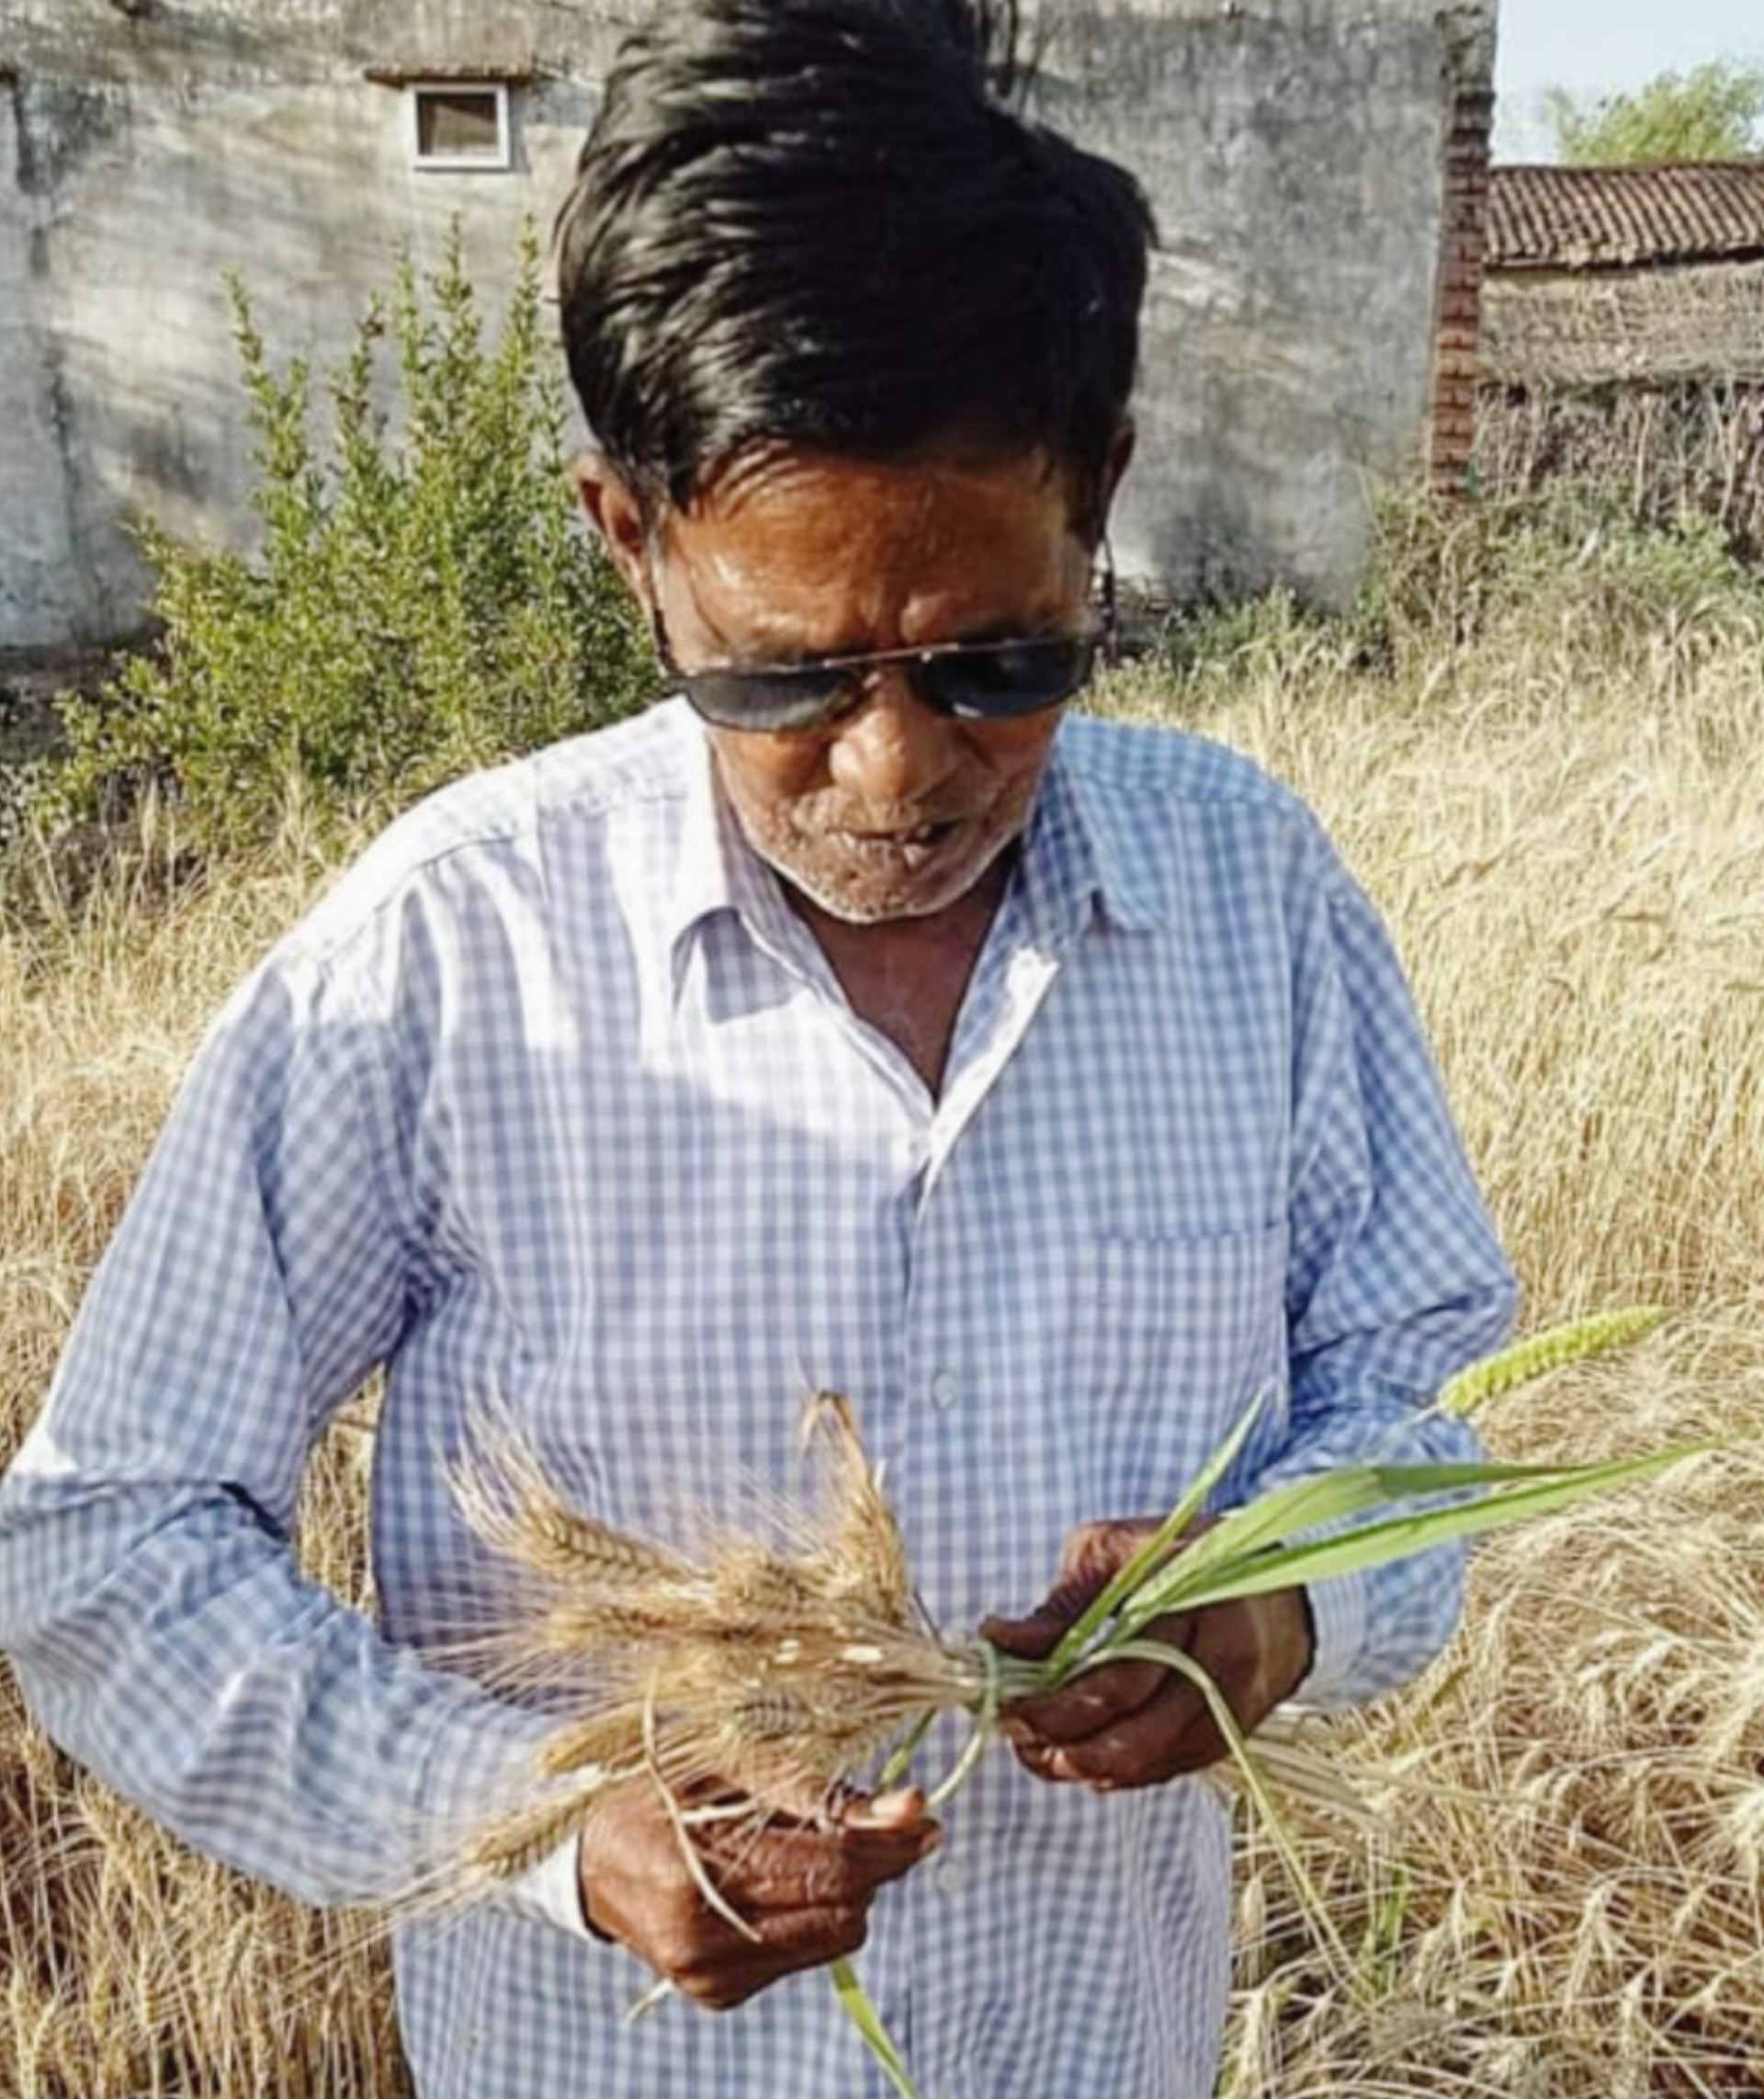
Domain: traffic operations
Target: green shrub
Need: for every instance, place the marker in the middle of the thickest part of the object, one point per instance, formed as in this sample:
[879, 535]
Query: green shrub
[1511, 590]
[426, 599]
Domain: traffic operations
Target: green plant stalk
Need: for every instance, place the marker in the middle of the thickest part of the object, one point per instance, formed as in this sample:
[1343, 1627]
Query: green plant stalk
[1237, 1743]
[855, 2001]
[894, 1771]
[1077, 1636]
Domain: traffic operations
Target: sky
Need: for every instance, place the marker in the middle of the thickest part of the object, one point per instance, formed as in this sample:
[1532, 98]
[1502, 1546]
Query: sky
[1591, 47]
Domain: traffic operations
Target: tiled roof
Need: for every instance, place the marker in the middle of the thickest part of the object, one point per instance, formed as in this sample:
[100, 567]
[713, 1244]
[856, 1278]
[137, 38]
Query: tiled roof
[1605, 218]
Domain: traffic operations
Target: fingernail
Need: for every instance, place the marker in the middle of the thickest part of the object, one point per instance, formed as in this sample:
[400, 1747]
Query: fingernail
[888, 1811]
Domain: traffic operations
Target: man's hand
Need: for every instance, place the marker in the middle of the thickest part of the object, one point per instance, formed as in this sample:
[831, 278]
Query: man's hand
[1135, 1723]
[805, 1890]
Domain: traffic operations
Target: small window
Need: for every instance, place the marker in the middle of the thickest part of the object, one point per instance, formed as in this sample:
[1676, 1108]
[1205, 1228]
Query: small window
[459, 125]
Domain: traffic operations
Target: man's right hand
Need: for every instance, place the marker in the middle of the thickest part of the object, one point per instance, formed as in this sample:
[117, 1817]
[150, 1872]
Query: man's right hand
[805, 1889]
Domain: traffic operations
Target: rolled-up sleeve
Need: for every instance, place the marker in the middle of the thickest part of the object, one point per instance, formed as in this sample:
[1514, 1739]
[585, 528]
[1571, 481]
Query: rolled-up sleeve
[149, 1593]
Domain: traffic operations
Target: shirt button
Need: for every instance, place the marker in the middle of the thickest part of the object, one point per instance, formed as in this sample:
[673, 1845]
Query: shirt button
[949, 1877]
[943, 1389]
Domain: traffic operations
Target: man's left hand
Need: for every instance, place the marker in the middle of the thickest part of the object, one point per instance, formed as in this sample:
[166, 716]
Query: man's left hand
[1138, 1723]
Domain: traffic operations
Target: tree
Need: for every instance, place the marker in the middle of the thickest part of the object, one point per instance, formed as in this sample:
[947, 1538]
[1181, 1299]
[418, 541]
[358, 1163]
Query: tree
[1714, 112]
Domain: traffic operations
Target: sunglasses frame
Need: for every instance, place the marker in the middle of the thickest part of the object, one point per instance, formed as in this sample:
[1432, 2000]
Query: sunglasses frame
[1100, 636]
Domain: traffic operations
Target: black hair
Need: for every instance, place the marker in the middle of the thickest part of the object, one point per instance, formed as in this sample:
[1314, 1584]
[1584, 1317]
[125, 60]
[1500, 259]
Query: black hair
[821, 224]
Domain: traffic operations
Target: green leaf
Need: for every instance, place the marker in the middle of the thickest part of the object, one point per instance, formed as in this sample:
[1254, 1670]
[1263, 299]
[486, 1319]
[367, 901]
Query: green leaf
[1077, 1636]
[1186, 1585]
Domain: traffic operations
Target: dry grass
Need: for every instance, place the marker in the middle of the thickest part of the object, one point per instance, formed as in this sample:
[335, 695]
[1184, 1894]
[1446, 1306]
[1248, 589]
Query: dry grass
[1671, 445]
[1565, 830]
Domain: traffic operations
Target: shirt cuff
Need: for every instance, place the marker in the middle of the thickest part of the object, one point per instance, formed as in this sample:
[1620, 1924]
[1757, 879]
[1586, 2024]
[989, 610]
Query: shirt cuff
[1338, 1608]
[550, 1892]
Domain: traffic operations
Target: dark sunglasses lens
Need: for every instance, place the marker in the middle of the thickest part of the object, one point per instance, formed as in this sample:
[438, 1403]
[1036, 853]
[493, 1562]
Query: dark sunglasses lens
[1024, 677]
[990, 682]
[769, 700]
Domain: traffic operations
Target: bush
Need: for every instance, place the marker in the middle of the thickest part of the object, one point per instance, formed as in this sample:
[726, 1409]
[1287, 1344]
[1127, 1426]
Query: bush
[1566, 566]
[426, 599]
[1510, 593]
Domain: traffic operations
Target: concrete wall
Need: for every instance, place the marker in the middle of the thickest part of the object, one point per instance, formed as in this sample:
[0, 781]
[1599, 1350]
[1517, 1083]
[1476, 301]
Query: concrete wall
[1292, 148]
[36, 539]
[140, 161]
[1295, 152]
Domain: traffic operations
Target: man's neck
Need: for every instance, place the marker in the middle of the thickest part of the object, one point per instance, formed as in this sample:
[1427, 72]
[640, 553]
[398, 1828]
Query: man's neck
[907, 977]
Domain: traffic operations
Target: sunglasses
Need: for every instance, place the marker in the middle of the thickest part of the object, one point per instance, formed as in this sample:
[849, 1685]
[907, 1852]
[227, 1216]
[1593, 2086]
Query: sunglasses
[973, 681]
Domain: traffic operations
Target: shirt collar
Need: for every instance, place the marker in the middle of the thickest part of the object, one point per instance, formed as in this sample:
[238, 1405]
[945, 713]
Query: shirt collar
[715, 871]
[1077, 858]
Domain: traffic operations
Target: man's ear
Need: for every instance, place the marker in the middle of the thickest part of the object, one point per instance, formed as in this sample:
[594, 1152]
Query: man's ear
[1114, 467]
[1094, 499]
[613, 509]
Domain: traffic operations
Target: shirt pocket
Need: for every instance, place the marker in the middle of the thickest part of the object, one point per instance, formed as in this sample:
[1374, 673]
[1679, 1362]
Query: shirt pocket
[1172, 1340]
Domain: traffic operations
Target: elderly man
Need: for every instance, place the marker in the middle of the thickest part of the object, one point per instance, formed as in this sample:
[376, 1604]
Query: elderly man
[1046, 1086]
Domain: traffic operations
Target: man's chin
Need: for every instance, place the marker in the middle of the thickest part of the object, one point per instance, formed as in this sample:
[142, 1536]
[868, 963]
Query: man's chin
[865, 893]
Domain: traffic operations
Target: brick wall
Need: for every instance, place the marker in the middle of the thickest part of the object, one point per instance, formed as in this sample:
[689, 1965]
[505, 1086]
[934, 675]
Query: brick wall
[1469, 128]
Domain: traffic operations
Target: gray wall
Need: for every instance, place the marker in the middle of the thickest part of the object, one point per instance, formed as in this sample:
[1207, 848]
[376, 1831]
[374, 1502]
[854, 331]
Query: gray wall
[36, 553]
[1294, 152]
[1292, 148]
[140, 160]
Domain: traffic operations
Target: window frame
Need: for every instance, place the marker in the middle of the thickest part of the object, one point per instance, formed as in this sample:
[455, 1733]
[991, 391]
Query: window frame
[499, 161]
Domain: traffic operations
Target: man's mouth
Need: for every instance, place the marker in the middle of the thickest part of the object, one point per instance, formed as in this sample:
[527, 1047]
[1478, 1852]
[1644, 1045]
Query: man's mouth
[906, 835]
[911, 847]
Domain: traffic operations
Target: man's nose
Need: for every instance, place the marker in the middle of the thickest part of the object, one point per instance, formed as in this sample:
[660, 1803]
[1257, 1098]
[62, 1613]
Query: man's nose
[894, 747]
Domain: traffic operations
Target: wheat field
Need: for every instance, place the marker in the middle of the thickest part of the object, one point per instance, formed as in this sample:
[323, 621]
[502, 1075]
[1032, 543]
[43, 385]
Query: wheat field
[1562, 820]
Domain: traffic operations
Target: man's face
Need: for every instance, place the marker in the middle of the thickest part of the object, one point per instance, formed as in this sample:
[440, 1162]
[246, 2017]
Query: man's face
[893, 811]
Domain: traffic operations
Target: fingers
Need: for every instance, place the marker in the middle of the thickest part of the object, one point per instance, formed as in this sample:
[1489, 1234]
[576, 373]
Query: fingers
[1254, 1651]
[1091, 1556]
[1172, 1733]
[883, 1811]
[1132, 1723]
[799, 1867]
[804, 1895]
[1098, 1699]
[1033, 1638]
[718, 1968]
[801, 1891]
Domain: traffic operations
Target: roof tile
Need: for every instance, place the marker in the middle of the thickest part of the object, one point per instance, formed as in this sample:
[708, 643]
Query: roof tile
[1606, 218]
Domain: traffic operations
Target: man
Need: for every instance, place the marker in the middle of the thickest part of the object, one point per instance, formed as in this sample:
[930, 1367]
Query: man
[1046, 1087]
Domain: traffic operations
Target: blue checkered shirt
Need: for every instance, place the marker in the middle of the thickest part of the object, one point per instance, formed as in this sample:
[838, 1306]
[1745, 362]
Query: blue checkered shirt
[554, 1098]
